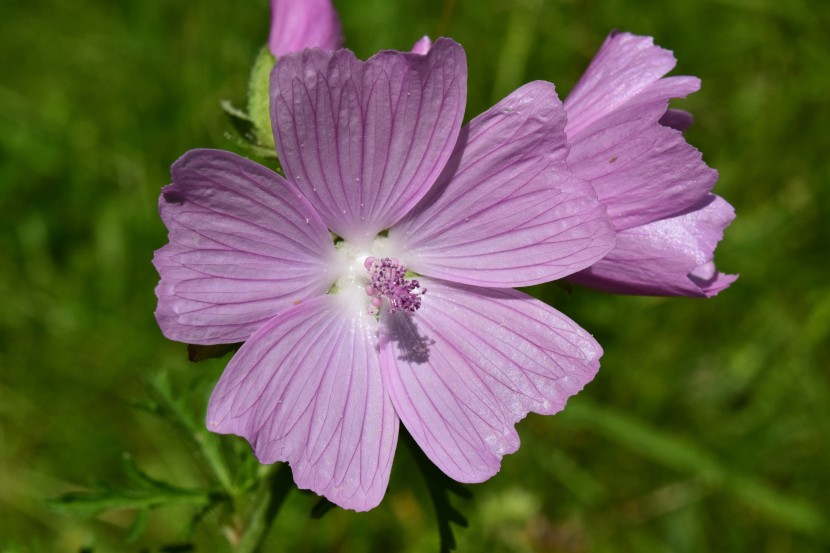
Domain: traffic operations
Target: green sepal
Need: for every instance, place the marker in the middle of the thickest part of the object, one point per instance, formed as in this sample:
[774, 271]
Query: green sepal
[259, 112]
[248, 136]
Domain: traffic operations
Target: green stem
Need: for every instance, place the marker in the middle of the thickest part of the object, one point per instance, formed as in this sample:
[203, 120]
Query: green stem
[269, 498]
[213, 458]
[207, 444]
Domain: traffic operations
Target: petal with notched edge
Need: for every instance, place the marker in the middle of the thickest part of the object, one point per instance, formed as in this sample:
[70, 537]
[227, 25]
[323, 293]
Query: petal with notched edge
[364, 141]
[307, 389]
[471, 362]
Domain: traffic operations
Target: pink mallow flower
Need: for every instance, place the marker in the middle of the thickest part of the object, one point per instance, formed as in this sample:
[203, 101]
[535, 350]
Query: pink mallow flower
[656, 186]
[408, 315]
[298, 24]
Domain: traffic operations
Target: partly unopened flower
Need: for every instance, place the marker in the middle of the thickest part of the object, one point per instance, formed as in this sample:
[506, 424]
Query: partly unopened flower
[298, 24]
[422, 46]
[408, 315]
[656, 186]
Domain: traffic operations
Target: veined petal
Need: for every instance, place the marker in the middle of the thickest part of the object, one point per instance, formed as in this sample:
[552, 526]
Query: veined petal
[669, 257]
[307, 389]
[364, 141]
[506, 211]
[620, 136]
[642, 175]
[469, 364]
[298, 24]
[625, 67]
[244, 245]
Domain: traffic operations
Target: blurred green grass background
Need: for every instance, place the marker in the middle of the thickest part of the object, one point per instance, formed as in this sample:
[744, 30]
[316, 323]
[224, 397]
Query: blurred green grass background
[708, 426]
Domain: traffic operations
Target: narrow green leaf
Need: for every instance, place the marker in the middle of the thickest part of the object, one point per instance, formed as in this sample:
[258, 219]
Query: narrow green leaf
[91, 503]
[686, 457]
[139, 525]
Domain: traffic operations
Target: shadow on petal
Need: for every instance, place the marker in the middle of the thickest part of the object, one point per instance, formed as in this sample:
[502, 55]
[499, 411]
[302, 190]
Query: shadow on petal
[412, 345]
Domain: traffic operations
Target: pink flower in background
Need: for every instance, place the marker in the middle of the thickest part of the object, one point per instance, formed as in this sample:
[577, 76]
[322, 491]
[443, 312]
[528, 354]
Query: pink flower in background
[656, 186]
[342, 340]
[298, 24]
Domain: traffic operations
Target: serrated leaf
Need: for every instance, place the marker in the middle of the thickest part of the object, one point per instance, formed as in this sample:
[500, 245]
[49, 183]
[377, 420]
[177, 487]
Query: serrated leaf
[147, 493]
[440, 486]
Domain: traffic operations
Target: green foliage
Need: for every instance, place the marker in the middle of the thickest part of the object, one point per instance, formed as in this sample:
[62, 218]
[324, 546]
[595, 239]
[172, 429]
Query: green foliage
[439, 486]
[259, 98]
[706, 429]
[143, 494]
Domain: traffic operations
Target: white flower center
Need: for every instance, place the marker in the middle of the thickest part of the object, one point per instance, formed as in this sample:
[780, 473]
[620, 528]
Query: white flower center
[380, 275]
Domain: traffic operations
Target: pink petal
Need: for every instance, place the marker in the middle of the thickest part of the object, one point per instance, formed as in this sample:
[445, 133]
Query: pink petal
[625, 67]
[307, 389]
[669, 257]
[298, 24]
[710, 281]
[644, 176]
[507, 212]
[244, 245]
[365, 141]
[471, 362]
[422, 46]
[641, 170]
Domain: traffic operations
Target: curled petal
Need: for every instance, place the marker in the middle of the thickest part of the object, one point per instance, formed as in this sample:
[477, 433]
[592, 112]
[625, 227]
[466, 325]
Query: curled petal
[365, 141]
[470, 363]
[624, 141]
[669, 257]
[506, 211]
[709, 280]
[306, 389]
[244, 245]
[298, 24]
[623, 72]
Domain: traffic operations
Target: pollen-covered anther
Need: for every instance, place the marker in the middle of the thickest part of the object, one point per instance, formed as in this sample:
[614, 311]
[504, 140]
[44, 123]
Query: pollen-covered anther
[387, 280]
